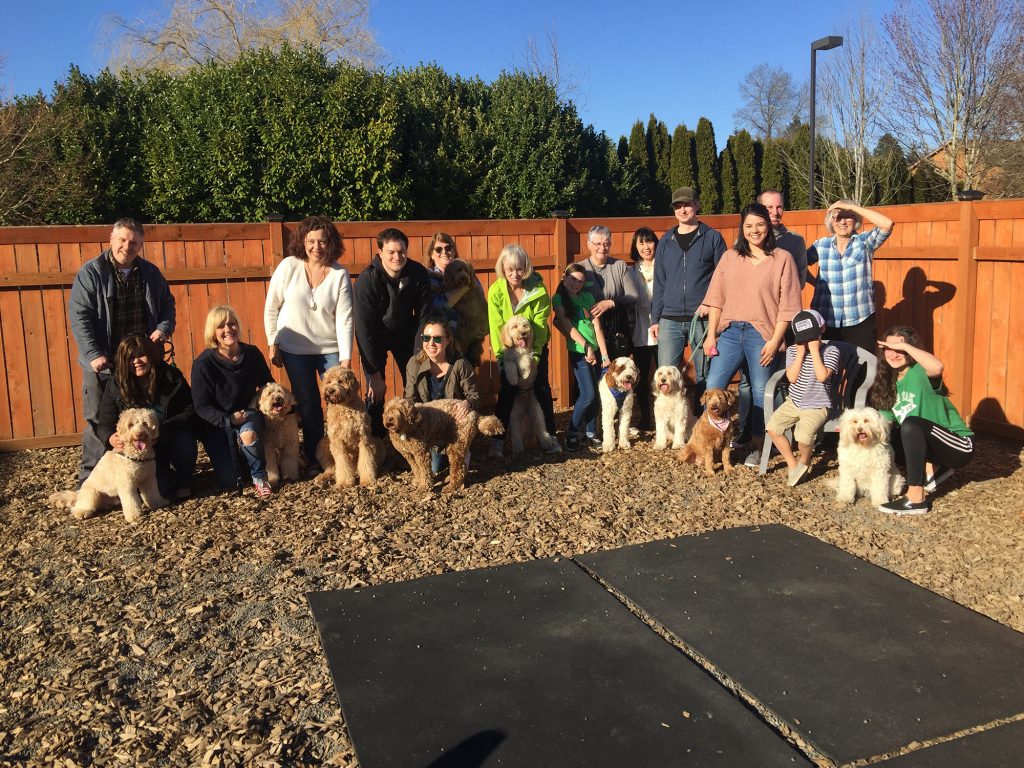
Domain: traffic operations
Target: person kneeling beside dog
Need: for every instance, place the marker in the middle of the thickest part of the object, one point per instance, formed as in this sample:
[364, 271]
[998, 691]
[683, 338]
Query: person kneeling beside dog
[810, 364]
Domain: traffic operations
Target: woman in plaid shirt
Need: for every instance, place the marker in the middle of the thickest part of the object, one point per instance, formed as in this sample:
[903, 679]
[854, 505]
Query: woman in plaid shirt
[844, 291]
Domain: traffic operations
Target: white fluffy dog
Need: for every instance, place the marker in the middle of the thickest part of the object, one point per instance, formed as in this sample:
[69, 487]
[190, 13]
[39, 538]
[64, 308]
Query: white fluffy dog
[671, 408]
[281, 438]
[617, 397]
[865, 458]
[129, 477]
[521, 372]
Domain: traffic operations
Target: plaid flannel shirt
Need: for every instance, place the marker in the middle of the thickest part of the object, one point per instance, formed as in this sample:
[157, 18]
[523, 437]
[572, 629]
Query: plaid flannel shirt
[844, 293]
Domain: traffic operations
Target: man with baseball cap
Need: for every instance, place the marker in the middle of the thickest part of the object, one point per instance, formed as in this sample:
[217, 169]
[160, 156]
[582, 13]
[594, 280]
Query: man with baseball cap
[684, 261]
[810, 364]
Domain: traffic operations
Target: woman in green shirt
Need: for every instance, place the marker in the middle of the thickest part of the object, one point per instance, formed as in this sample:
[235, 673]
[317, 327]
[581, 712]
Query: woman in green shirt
[932, 437]
[573, 317]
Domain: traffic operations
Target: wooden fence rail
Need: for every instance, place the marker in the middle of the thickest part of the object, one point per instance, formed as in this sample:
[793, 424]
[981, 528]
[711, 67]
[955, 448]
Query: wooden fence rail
[954, 271]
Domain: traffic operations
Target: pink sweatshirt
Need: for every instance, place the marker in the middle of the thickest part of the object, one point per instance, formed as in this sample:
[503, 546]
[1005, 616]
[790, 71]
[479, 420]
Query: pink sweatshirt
[762, 294]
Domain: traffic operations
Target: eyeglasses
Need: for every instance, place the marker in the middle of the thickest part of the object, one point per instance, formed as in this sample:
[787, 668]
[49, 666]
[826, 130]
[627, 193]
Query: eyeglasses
[444, 249]
[603, 246]
[436, 339]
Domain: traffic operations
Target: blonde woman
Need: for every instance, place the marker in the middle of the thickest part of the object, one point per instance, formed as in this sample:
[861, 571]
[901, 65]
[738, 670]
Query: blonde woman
[225, 379]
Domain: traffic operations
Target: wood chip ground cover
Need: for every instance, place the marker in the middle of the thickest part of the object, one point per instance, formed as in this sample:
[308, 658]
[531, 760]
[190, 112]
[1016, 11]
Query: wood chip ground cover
[186, 639]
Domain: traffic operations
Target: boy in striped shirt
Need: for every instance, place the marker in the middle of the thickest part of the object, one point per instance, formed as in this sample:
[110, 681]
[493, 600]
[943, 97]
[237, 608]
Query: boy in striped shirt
[810, 364]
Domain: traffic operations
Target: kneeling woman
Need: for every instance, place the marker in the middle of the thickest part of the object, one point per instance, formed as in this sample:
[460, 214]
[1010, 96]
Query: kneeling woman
[225, 379]
[143, 380]
[930, 434]
[436, 372]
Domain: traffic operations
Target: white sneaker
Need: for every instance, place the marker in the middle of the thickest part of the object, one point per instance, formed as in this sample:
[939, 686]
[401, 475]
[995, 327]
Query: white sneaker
[497, 449]
[753, 459]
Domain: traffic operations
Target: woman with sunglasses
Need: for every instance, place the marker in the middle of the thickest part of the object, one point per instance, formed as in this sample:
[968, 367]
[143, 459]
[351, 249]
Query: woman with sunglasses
[437, 372]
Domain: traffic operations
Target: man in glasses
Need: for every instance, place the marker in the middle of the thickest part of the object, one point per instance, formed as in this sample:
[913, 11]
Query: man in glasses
[392, 296]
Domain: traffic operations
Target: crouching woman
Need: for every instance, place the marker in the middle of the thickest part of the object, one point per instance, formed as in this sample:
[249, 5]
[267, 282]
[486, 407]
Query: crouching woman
[225, 380]
[928, 431]
[143, 380]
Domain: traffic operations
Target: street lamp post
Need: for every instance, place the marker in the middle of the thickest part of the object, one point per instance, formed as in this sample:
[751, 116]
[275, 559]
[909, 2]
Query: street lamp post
[824, 44]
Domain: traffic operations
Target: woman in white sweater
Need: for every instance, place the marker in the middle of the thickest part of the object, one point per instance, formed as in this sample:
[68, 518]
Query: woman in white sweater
[308, 319]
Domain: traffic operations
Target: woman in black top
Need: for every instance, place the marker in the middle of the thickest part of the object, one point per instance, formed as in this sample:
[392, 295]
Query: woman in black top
[143, 380]
[225, 380]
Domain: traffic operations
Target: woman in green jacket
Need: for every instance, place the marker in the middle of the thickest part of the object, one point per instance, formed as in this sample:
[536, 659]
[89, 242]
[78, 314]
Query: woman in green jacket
[520, 291]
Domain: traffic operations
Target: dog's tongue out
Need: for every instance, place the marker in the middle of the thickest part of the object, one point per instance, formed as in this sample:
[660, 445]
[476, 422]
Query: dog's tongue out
[862, 436]
[140, 445]
[664, 387]
[627, 385]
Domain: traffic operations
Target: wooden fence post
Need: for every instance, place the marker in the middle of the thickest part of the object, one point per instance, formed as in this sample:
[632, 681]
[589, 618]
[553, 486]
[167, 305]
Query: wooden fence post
[275, 224]
[967, 288]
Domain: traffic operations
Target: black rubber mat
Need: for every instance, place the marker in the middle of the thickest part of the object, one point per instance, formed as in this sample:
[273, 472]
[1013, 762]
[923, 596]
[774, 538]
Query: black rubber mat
[857, 660]
[1001, 747]
[525, 665]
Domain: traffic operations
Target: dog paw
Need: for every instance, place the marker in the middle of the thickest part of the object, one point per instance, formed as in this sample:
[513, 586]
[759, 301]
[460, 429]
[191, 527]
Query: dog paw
[132, 516]
[82, 514]
[624, 445]
[607, 447]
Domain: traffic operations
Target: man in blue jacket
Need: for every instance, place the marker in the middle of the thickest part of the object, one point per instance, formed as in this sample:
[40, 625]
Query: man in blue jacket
[684, 261]
[114, 295]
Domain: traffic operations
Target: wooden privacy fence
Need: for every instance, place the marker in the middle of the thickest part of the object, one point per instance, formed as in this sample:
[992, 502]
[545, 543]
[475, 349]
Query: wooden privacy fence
[954, 271]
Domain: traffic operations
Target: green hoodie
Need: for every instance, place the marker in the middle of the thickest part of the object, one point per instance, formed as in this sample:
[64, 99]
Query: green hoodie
[535, 307]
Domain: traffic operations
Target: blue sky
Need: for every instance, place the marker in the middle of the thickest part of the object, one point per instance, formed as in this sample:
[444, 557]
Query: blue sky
[679, 60]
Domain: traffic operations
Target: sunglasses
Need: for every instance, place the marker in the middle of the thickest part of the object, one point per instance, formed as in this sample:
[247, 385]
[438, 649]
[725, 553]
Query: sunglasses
[436, 339]
[444, 249]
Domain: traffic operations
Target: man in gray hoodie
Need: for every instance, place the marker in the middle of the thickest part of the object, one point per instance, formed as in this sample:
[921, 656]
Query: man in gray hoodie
[116, 294]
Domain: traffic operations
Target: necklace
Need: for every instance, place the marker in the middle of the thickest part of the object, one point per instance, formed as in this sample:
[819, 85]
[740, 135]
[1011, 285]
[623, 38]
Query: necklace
[313, 286]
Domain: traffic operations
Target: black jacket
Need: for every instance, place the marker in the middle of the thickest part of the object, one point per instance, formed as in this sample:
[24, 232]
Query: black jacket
[173, 404]
[221, 387]
[388, 312]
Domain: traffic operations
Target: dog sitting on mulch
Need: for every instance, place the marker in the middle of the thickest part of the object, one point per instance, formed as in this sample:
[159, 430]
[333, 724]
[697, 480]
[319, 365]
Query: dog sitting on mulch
[281, 438]
[521, 372]
[866, 458]
[712, 432]
[416, 428]
[128, 476]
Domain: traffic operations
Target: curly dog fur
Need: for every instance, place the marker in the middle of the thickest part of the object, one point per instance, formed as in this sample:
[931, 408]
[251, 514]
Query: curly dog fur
[281, 438]
[471, 328]
[129, 477]
[621, 376]
[416, 428]
[865, 458]
[349, 450]
[671, 408]
[526, 418]
[709, 438]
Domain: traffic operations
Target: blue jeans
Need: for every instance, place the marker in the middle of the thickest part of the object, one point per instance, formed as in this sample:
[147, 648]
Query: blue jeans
[673, 336]
[584, 410]
[224, 453]
[739, 342]
[302, 372]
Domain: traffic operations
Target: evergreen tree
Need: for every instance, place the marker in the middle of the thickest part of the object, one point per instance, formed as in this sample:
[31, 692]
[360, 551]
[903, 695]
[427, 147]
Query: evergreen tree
[681, 168]
[707, 167]
[891, 176]
[746, 168]
[773, 168]
[727, 175]
[659, 159]
[623, 148]
[640, 159]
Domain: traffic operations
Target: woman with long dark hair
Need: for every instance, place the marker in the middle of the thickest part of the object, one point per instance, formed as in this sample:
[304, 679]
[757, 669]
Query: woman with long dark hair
[645, 344]
[143, 380]
[754, 294]
[929, 436]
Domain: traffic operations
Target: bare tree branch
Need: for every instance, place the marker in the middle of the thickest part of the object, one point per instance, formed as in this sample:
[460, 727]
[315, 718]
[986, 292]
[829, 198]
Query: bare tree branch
[191, 32]
[952, 63]
[548, 62]
[771, 99]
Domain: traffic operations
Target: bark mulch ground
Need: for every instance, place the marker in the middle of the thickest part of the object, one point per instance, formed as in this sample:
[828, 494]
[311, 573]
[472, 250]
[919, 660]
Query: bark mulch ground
[186, 639]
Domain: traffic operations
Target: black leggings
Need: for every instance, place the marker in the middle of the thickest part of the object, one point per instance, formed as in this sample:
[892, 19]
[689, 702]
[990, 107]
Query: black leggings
[918, 440]
[541, 390]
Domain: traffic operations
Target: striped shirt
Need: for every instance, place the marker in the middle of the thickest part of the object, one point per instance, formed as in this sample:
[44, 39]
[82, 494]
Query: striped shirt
[844, 293]
[807, 392]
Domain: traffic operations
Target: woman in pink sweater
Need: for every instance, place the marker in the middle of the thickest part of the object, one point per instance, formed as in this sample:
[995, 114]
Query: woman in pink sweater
[754, 293]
